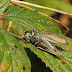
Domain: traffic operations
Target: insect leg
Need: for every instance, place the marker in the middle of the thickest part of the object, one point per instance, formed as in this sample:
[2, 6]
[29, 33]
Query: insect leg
[50, 51]
[51, 46]
[46, 48]
[37, 42]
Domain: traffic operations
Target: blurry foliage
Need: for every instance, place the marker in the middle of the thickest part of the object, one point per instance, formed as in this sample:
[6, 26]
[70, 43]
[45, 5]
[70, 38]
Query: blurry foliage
[56, 4]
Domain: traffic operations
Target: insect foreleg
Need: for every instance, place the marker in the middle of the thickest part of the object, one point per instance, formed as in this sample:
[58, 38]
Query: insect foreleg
[37, 42]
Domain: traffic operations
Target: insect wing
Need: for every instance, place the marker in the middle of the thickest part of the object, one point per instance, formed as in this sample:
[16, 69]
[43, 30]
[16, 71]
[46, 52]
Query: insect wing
[53, 39]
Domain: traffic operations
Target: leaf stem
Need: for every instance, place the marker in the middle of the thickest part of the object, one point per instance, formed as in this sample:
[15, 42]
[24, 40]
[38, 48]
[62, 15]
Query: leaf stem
[10, 22]
[43, 7]
[19, 38]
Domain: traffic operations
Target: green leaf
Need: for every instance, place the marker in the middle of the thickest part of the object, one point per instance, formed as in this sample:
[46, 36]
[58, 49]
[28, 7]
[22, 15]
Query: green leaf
[31, 20]
[4, 4]
[13, 57]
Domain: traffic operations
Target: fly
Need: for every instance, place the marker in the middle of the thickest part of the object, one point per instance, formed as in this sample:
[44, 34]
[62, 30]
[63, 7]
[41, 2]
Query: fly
[44, 41]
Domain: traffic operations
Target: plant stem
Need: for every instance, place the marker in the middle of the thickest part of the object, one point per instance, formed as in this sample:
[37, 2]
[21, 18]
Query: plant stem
[43, 7]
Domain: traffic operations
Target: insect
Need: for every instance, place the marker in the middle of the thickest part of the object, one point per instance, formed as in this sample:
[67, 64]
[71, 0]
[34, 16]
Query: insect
[44, 41]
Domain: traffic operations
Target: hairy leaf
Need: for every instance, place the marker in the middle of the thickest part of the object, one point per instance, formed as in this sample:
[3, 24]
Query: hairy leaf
[31, 20]
[3, 5]
[13, 57]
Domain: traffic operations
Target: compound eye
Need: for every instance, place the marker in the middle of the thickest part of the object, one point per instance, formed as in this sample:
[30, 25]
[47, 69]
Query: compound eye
[26, 32]
[33, 31]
